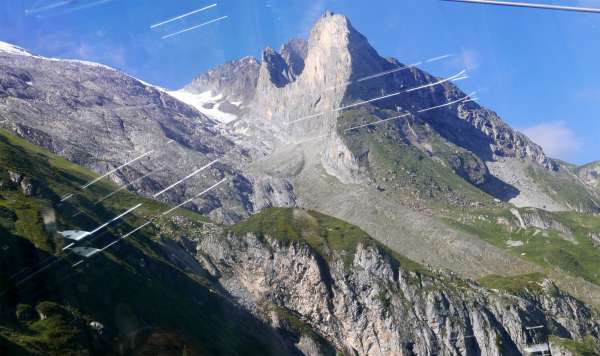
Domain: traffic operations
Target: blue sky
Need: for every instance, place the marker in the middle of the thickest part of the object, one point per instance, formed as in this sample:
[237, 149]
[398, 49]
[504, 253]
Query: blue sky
[538, 69]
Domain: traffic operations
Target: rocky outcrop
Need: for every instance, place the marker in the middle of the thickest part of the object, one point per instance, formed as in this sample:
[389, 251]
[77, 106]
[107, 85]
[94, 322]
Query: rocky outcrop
[544, 221]
[301, 90]
[272, 192]
[338, 161]
[332, 47]
[236, 80]
[595, 237]
[294, 53]
[27, 185]
[590, 173]
[370, 304]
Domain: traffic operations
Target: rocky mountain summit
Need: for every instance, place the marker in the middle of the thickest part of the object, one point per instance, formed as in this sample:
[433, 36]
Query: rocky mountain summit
[306, 90]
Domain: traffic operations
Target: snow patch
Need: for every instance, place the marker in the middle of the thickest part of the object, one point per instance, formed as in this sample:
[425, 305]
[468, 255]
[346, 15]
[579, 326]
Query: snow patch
[12, 49]
[16, 50]
[199, 100]
[195, 100]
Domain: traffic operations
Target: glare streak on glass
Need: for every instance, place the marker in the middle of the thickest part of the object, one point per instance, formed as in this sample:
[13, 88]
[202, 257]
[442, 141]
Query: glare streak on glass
[127, 185]
[45, 13]
[184, 179]
[182, 16]
[66, 197]
[116, 169]
[107, 223]
[530, 5]
[306, 118]
[195, 197]
[377, 75]
[438, 58]
[400, 92]
[113, 243]
[447, 104]
[194, 27]
[78, 263]
[454, 77]
[149, 222]
[48, 7]
[377, 122]
[391, 71]
[464, 100]
[25, 279]
[457, 76]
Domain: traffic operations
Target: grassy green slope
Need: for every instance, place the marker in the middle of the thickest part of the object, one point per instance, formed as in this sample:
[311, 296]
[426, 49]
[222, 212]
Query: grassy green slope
[146, 304]
[327, 235]
[403, 157]
[565, 188]
[397, 164]
[576, 255]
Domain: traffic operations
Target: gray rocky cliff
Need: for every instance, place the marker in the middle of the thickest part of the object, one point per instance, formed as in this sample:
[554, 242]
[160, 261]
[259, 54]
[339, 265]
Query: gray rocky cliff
[101, 118]
[301, 90]
[236, 80]
[590, 173]
[369, 303]
[341, 67]
[294, 53]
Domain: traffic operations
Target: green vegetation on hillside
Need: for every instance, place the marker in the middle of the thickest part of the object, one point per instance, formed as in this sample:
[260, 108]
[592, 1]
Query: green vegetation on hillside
[144, 302]
[513, 284]
[397, 164]
[586, 347]
[325, 234]
[564, 188]
[574, 252]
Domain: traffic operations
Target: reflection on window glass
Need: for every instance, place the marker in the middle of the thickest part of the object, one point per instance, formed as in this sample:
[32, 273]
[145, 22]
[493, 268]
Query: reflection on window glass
[287, 177]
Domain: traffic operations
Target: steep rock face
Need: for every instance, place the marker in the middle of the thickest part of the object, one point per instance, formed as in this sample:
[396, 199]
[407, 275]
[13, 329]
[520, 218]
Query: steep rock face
[100, 118]
[341, 67]
[294, 53]
[300, 105]
[235, 80]
[542, 220]
[272, 192]
[303, 90]
[368, 304]
[590, 173]
[331, 49]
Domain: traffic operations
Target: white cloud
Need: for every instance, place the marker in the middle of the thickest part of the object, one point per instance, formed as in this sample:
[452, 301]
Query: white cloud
[556, 138]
